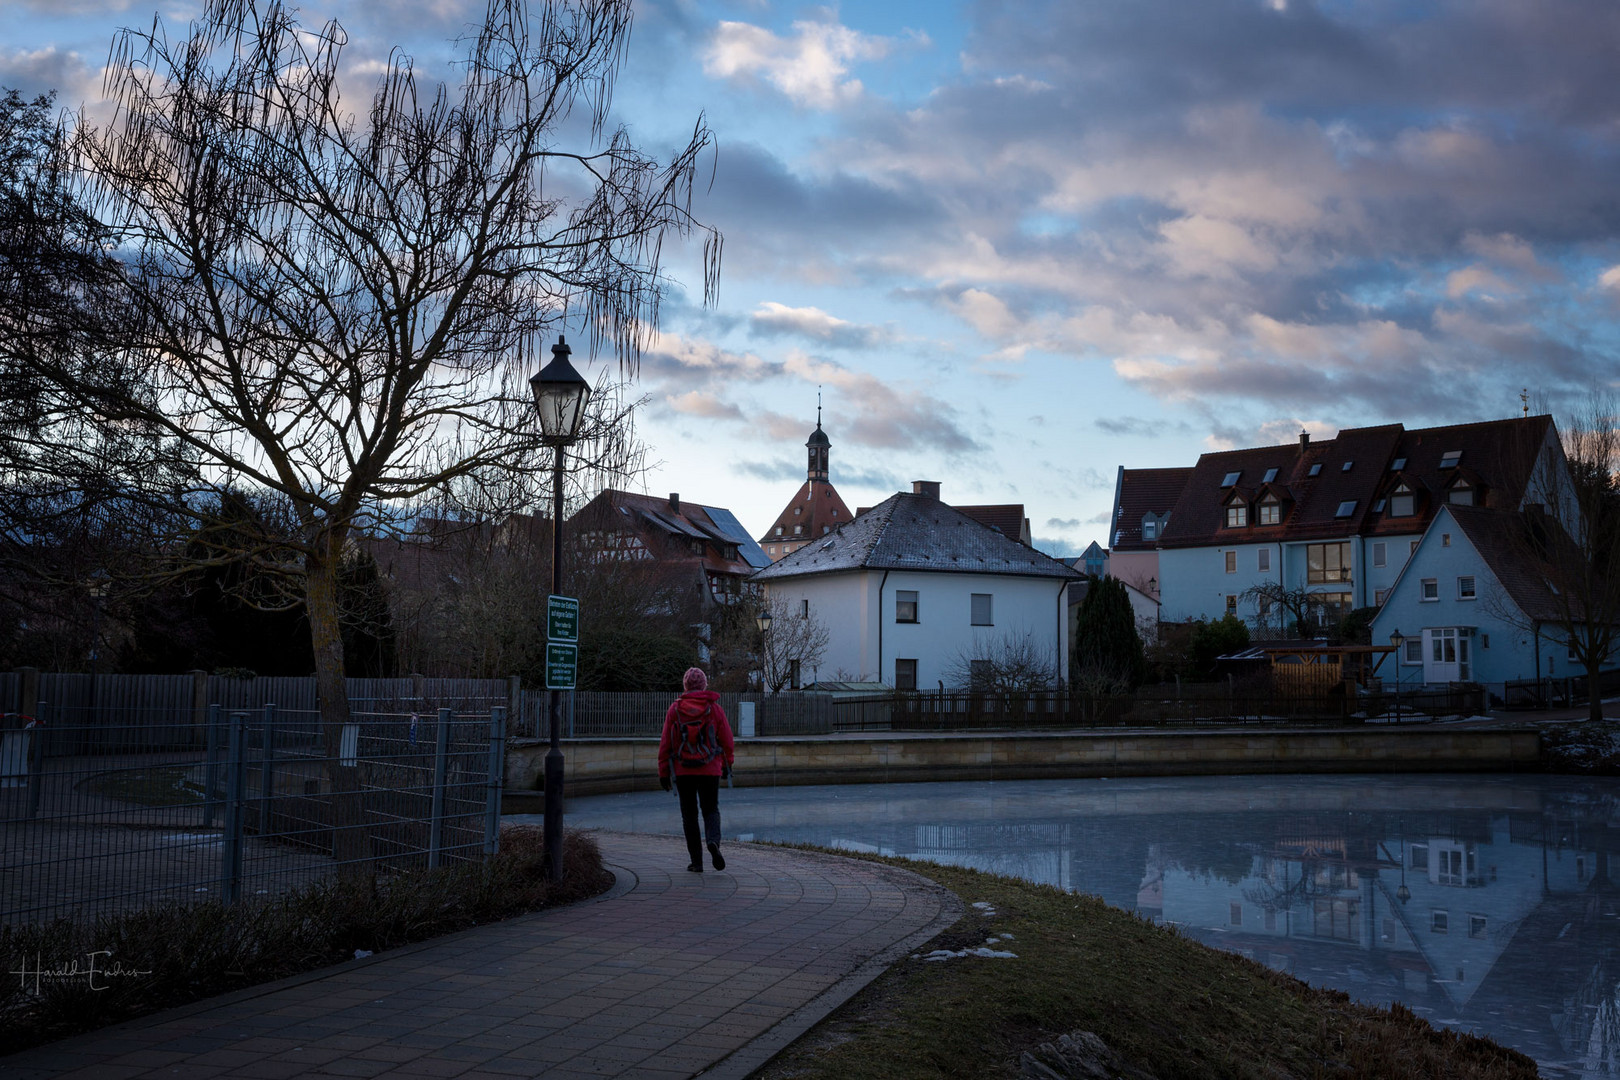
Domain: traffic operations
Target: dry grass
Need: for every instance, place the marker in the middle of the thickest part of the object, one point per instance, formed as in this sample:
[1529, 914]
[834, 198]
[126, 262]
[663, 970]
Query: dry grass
[199, 950]
[1168, 1006]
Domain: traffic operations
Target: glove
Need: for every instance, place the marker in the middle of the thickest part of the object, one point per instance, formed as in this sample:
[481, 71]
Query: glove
[725, 772]
[663, 782]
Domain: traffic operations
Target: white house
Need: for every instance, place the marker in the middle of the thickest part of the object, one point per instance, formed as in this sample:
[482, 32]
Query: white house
[914, 592]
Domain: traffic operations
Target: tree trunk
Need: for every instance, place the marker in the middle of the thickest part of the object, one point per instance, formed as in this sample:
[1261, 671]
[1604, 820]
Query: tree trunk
[1594, 693]
[349, 846]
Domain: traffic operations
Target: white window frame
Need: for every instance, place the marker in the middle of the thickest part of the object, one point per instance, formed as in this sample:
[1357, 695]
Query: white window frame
[1262, 560]
[1271, 512]
[1471, 591]
[1231, 562]
[1413, 649]
[1237, 516]
[907, 596]
[1429, 590]
[1380, 553]
[989, 609]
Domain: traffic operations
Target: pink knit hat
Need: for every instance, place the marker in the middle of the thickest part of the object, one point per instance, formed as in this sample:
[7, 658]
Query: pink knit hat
[694, 680]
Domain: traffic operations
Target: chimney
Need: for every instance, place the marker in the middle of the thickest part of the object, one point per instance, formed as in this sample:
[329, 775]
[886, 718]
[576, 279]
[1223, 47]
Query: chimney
[1304, 440]
[675, 502]
[928, 489]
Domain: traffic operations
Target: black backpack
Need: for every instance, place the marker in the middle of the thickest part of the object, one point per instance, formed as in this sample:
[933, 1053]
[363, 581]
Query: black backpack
[695, 742]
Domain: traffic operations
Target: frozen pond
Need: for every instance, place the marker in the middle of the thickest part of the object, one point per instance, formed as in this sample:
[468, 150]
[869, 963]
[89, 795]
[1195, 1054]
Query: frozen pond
[1509, 924]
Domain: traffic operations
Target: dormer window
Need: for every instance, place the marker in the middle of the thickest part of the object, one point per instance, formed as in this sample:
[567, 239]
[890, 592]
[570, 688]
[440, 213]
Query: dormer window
[1271, 511]
[1237, 516]
[1450, 458]
[1231, 478]
[797, 510]
[1402, 503]
[1150, 528]
[779, 530]
[1461, 494]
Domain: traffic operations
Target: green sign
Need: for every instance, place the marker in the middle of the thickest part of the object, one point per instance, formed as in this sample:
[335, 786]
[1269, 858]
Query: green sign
[562, 666]
[562, 618]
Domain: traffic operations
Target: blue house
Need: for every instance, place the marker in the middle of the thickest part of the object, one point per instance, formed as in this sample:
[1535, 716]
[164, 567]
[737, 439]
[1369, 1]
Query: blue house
[1473, 605]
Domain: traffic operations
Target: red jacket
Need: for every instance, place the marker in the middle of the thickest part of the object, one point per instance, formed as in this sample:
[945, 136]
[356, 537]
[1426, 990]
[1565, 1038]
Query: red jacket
[693, 705]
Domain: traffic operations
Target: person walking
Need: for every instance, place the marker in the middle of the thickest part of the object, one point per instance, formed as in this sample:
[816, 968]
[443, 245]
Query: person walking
[696, 750]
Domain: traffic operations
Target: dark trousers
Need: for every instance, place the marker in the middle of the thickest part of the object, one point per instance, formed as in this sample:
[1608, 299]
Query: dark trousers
[695, 790]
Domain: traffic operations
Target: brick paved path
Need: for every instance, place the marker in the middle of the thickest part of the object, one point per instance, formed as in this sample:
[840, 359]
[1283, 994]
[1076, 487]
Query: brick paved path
[673, 975]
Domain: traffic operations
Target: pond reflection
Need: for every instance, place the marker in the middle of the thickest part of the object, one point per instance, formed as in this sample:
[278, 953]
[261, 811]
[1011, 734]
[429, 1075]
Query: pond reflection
[1482, 903]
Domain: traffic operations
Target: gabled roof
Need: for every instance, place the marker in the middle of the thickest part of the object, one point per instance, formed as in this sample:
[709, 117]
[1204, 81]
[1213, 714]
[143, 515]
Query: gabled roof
[1140, 492]
[1006, 518]
[1503, 541]
[915, 532]
[659, 521]
[819, 509]
[1352, 472]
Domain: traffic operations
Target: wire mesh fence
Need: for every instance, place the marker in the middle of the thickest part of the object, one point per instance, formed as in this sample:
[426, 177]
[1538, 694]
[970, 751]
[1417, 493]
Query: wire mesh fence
[125, 811]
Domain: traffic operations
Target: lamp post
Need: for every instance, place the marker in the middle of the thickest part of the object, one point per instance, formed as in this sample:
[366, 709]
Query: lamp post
[1397, 639]
[763, 621]
[560, 394]
[1403, 894]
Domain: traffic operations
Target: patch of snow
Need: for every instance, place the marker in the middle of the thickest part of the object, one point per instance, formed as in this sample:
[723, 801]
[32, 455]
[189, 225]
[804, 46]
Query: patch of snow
[361, 954]
[982, 951]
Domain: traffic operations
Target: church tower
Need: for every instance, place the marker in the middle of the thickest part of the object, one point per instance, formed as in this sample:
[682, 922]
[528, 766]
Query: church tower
[815, 509]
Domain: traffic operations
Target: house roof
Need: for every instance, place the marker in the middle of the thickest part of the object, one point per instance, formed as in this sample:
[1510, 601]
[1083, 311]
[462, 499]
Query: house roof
[660, 523]
[916, 532]
[1337, 485]
[819, 510]
[1502, 538]
[1006, 518]
[1144, 491]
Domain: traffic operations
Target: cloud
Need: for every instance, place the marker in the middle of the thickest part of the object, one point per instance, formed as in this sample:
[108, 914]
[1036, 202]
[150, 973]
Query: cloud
[772, 319]
[811, 66]
[1062, 523]
[1610, 278]
[38, 71]
[772, 471]
[884, 413]
[706, 405]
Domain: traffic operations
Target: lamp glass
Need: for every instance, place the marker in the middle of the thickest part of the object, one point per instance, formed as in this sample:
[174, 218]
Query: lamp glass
[560, 394]
[764, 621]
[1396, 637]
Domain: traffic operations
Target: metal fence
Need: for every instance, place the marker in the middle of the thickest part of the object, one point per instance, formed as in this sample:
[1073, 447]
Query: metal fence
[1012, 712]
[605, 715]
[129, 810]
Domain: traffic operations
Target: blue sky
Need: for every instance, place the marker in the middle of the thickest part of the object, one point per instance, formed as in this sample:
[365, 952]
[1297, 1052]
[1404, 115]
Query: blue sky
[1017, 244]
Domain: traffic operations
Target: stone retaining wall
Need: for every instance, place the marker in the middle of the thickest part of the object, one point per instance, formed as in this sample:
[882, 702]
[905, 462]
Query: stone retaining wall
[603, 766]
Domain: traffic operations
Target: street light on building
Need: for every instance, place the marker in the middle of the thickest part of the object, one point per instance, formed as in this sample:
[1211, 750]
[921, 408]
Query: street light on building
[560, 394]
[1397, 639]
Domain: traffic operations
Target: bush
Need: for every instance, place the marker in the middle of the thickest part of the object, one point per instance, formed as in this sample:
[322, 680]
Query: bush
[195, 951]
[1225, 635]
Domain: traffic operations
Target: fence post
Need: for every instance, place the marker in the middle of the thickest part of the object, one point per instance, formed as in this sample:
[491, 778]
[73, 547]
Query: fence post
[267, 768]
[497, 778]
[199, 705]
[441, 753]
[211, 769]
[235, 811]
[36, 760]
[514, 703]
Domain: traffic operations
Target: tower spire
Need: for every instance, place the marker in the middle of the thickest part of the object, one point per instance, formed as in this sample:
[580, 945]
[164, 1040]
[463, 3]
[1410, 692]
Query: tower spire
[819, 445]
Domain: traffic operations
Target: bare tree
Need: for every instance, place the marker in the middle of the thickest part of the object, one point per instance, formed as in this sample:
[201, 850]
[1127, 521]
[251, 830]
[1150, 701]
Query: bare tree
[1295, 612]
[796, 641]
[1006, 664]
[343, 311]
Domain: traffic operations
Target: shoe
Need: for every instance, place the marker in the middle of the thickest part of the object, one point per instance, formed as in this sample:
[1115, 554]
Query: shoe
[694, 868]
[719, 859]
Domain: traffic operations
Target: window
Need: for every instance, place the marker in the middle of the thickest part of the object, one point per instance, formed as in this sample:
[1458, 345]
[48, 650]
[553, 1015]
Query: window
[1449, 459]
[1270, 512]
[1345, 509]
[1231, 604]
[797, 510]
[1413, 647]
[1397, 465]
[1380, 553]
[1379, 596]
[905, 675]
[1439, 921]
[825, 529]
[1316, 470]
[779, 530]
[1237, 516]
[1231, 562]
[1429, 589]
[1378, 506]
[1445, 539]
[1230, 478]
[804, 609]
[1420, 857]
[1235, 915]
[1347, 466]
[793, 675]
[1327, 562]
[1476, 926]
[1465, 587]
[1262, 560]
[1149, 527]
[981, 609]
[905, 606]
[1414, 547]
[1402, 503]
[1461, 495]
[1271, 474]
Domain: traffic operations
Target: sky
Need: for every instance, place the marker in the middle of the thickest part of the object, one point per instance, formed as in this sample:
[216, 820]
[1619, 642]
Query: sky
[1014, 245]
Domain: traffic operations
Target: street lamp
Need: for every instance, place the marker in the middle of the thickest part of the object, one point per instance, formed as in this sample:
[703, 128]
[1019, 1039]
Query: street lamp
[764, 621]
[560, 394]
[1397, 639]
[1403, 894]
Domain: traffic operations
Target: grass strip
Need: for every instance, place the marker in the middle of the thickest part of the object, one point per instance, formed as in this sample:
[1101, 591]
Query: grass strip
[1168, 1006]
[196, 951]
